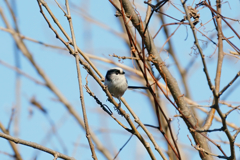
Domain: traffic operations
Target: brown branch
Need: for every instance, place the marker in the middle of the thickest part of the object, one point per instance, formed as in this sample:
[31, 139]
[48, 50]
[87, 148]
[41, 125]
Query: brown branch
[234, 108]
[99, 81]
[51, 86]
[206, 152]
[150, 136]
[13, 145]
[218, 75]
[219, 68]
[42, 2]
[88, 134]
[122, 112]
[163, 70]
[35, 145]
[170, 49]
[235, 135]
[189, 101]
[143, 70]
[31, 39]
[196, 42]
[51, 131]
[104, 108]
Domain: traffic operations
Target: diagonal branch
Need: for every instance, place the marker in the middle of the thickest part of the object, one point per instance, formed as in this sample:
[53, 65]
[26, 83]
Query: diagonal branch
[229, 84]
[35, 145]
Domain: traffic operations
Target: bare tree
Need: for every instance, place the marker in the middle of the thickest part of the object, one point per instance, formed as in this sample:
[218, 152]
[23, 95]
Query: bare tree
[182, 112]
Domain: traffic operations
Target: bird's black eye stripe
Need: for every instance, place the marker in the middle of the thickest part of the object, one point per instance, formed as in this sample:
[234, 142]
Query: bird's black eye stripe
[113, 71]
[116, 71]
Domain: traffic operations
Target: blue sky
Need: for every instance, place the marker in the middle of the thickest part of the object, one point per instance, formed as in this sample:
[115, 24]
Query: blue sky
[60, 67]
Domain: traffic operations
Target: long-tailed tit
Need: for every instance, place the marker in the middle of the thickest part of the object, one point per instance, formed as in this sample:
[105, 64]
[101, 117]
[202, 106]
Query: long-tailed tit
[116, 82]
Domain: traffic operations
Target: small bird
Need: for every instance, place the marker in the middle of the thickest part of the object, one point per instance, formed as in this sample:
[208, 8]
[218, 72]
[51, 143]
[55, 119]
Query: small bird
[116, 82]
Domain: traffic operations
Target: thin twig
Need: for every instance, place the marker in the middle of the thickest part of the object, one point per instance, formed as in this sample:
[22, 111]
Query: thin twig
[10, 120]
[44, 3]
[31, 39]
[196, 42]
[226, 114]
[104, 108]
[123, 145]
[88, 135]
[207, 152]
[150, 136]
[235, 135]
[21, 72]
[229, 84]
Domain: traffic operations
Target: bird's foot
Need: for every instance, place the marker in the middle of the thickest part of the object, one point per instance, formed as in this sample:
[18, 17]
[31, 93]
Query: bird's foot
[118, 109]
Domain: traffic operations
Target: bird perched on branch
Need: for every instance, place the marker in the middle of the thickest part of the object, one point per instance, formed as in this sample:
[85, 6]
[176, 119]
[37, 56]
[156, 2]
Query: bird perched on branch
[116, 82]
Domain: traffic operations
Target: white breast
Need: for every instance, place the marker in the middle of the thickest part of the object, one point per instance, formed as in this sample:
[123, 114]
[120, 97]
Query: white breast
[117, 86]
